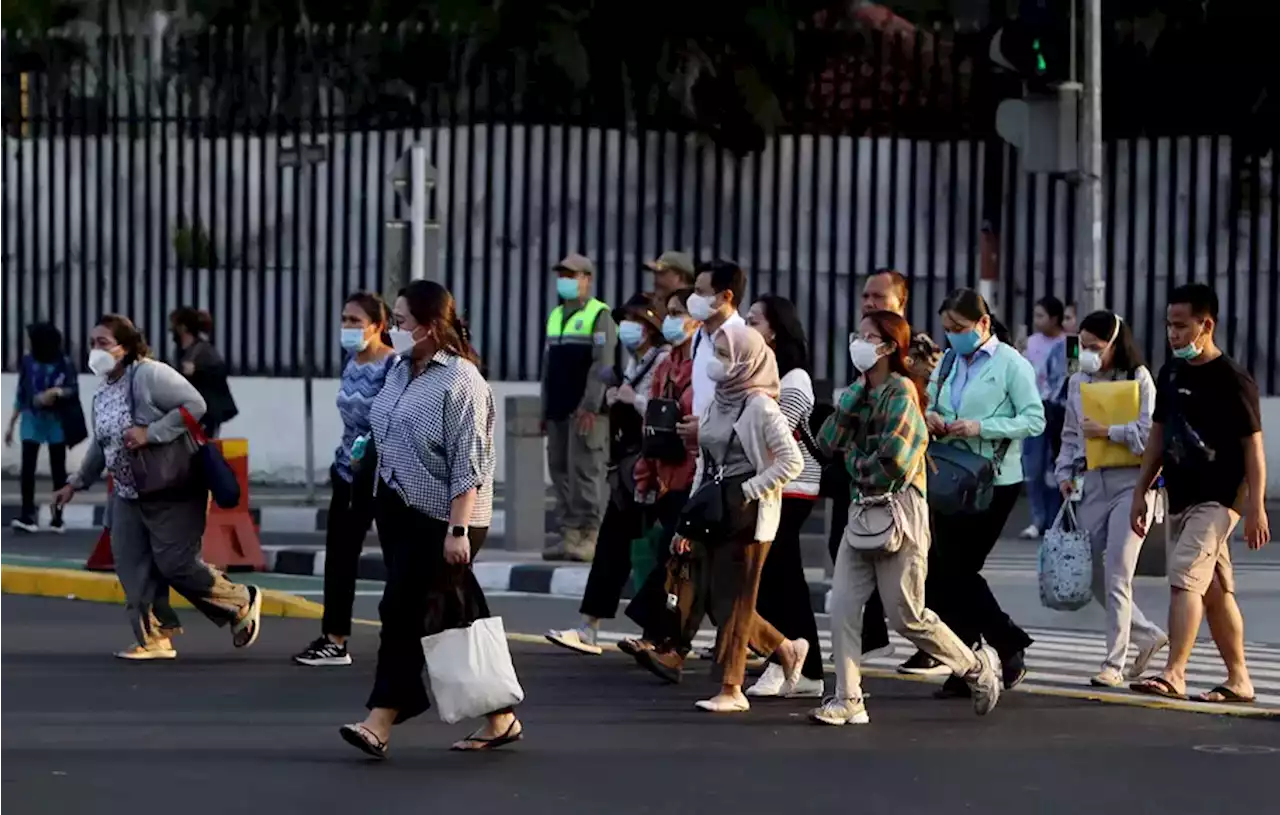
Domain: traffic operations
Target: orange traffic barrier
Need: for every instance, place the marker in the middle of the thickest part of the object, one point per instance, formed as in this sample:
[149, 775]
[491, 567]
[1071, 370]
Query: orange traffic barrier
[230, 536]
[100, 559]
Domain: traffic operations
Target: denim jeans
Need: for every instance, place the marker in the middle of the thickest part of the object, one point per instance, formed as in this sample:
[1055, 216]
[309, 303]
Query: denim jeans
[1037, 468]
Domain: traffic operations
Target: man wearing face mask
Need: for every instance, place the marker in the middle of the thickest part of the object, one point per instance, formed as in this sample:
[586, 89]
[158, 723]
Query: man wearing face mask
[581, 344]
[1206, 434]
[717, 291]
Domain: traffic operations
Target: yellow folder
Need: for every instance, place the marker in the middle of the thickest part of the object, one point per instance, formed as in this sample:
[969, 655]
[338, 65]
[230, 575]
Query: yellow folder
[1110, 403]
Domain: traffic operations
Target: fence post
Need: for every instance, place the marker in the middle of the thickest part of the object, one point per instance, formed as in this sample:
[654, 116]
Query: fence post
[525, 501]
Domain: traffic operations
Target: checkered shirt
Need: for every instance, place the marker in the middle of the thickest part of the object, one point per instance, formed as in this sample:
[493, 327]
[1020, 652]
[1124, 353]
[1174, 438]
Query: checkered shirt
[434, 436]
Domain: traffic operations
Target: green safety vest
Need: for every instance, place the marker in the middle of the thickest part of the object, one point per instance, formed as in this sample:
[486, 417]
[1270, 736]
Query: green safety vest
[581, 327]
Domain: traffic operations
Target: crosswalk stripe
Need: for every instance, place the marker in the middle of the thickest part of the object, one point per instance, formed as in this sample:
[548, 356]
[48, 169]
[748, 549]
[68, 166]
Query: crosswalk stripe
[1067, 659]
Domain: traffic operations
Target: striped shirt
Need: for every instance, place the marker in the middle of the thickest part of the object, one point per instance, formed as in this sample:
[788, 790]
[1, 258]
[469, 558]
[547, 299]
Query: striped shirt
[434, 436]
[796, 400]
[357, 389]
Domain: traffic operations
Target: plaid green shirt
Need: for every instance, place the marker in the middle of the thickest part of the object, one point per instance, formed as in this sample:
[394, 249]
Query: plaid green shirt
[882, 435]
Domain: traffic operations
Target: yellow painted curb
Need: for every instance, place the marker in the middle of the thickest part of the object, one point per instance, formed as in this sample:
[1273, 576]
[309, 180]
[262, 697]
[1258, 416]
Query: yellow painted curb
[98, 587]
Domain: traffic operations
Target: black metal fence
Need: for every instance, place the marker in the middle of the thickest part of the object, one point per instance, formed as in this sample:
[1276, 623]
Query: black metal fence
[141, 173]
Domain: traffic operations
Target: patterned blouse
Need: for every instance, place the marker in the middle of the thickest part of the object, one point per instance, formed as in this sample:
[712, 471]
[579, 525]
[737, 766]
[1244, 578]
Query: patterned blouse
[434, 434]
[881, 434]
[112, 416]
[360, 385]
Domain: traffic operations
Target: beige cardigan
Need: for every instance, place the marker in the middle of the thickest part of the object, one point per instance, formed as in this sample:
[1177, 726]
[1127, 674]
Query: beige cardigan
[771, 447]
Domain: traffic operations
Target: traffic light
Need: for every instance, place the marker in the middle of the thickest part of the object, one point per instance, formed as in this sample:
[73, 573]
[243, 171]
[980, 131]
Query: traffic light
[1036, 45]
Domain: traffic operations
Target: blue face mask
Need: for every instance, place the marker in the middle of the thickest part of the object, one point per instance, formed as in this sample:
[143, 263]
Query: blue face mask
[673, 330]
[631, 334]
[567, 288]
[964, 342]
[353, 339]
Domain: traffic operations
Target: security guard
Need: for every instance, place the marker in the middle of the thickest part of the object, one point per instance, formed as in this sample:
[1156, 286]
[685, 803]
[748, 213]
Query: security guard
[580, 347]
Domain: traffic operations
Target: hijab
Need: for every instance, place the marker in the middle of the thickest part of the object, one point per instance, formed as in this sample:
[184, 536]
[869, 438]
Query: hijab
[752, 368]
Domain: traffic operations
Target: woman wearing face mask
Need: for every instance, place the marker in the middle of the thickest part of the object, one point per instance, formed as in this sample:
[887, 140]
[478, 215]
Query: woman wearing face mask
[433, 426]
[983, 398]
[748, 444]
[1109, 353]
[662, 484]
[364, 337]
[156, 538]
[640, 332]
[784, 590]
[201, 363]
[879, 430]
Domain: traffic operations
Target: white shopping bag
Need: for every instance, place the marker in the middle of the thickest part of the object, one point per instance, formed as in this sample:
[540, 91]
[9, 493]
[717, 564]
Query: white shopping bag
[1066, 563]
[471, 671]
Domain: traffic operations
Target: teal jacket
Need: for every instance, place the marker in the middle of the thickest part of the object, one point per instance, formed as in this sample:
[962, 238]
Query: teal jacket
[1003, 397]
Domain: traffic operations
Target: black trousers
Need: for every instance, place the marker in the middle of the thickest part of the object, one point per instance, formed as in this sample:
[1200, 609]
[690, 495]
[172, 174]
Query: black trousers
[875, 629]
[623, 522]
[57, 468]
[956, 589]
[423, 595]
[350, 516]
[783, 597]
[648, 609]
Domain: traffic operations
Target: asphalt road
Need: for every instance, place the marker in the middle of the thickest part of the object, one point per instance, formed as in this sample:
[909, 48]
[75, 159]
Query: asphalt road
[221, 731]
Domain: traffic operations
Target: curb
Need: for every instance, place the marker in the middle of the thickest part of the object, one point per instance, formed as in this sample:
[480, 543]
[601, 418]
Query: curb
[551, 579]
[96, 587]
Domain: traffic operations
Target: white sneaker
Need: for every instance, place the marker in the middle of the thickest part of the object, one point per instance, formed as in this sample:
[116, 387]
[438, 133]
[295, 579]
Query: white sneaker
[1107, 678]
[840, 712]
[806, 688]
[1030, 533]
[582, 640]
[770, 682]
[985, 682]
[1145, 653]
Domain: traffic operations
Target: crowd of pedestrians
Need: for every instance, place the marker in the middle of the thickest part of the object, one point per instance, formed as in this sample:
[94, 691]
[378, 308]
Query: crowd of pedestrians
[687, 447]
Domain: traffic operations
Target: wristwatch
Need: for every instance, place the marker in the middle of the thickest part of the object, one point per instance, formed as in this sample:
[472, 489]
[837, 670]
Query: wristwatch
[457, 531]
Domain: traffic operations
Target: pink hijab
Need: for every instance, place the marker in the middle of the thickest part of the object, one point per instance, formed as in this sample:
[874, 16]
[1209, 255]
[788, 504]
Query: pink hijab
[752, 368]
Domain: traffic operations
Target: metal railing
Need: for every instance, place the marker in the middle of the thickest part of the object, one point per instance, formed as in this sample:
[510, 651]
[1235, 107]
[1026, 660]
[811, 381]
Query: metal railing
[141, 173]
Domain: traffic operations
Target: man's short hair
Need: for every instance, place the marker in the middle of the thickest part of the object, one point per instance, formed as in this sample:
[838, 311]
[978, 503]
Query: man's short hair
[1202, 299]
[899, 283]
[726, 276]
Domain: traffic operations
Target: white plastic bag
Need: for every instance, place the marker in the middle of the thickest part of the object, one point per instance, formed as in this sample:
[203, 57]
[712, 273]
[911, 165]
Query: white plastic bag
[471, 671]
[1066, 563]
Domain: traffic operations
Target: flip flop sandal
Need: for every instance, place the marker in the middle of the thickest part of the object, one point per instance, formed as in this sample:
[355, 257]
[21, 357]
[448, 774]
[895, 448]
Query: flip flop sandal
[485, 745]
[1156, 686]
[359, 737]
[1229, 697]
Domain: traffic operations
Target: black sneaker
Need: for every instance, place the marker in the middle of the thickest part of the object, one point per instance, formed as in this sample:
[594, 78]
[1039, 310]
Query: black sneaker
[56, 525]
[921, 664]
[1013, 669]
[26, 523]
[323, 651]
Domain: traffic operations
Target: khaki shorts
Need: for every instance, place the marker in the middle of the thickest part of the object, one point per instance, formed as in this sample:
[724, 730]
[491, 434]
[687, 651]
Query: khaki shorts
[1198, 547]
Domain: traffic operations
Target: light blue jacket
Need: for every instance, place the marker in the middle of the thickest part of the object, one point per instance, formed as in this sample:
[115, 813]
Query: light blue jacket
[1003, 397]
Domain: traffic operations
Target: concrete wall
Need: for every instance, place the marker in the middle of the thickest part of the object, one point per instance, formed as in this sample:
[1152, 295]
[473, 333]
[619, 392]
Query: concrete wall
[271, 418]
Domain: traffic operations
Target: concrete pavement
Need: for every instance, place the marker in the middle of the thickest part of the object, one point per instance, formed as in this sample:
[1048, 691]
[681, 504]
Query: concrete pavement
[220, 729]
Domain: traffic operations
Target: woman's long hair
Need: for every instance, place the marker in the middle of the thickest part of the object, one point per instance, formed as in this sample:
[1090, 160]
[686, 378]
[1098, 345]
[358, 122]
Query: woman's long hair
[973, 307]
[127, 334]
[196, 322]
[434, 308]
[790, 345]
[894, 328]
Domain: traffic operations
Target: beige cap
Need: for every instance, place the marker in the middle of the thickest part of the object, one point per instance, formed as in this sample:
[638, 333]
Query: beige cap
[576, 263]
[676, 261]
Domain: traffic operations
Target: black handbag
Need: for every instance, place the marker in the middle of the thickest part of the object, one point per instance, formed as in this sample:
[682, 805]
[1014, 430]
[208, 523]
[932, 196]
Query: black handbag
[960, 481]
[159, 469]
[715, 512]
[660, 441]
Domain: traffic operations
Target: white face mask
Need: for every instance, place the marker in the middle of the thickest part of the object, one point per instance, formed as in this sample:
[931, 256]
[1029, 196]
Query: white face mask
[699, 307]
[1090, 361]
[717, 371]
[402, 342]
[864, 354]
[101, 362]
